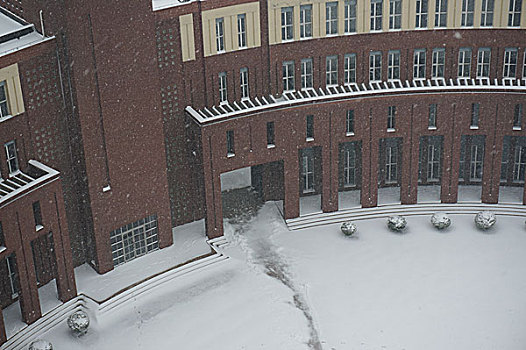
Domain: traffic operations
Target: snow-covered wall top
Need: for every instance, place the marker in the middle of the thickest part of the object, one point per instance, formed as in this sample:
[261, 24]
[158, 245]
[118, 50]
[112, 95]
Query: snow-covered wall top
[163, 4]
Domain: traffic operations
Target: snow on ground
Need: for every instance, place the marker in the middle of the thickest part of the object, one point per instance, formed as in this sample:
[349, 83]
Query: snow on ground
[316, 289]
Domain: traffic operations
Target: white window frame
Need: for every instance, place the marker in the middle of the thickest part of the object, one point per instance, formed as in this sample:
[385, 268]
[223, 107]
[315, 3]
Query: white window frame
[486, 15]
[4, 103]
[349, 167]
[331, 18]
[509, 65]
[419, 64]
[438, 64]
[287, 24]
[242, 31]
[476, 163]
[288, 76]
[223, 88]
[391, 118]
[350, 16]
[375, 66]
[376, 15]
[524, 66]
[12, 157]
[433, 163]
[467, 14]
[243, 83]
[483, 62]
[12, 273]
[305, 21]
[440, 13]
[514, 13]
[349, 69]
[220, 34]
[391, 164]
[421, 13]
[306, 76]
[331, 70]
[475, 116]
[517, 117]
[464, 63]
[395, 14]
[432, 119]
[393, 65]
[349, 122]
[308, 173]
[519, 164]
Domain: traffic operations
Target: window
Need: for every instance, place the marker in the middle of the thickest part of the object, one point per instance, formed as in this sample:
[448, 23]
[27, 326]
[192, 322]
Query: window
[270, 134]
[12, 271]
[475, 107]
[510, 63]
[4, 110]
[486, 17]
[134, 240]
[483, 62]
[220, 35]
[288, 76]
[432, 122]
[419, 64]
[331, 68]
[243, 82]
[349, 122]
[393, 65]
[2, 238]
[440, 13]
[230, 150]
[376, 15]
[12, 158]
[519, 164]
[287, 29]
[306, 21]
[433, 163]
[310, 128]
[505, 159]
[37, 215]
[464, 62]
[514, 16]
[391, 171]
[222, 88]
[242, 30]
[306, 73]
[395, 14]
[391, 113]
[437, 68]
[421, 14]
[349, 68]
[331, 18]
[307, 171]
[349, 167]
[517, 117]
[375, 66]
[524, 66]
[477, 159]
[350, 16]
[468, 10]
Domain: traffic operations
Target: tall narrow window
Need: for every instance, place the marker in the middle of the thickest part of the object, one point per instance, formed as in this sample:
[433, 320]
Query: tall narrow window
[37, 215]
[517, 117]
[395, 14]
[349, 68]
[223, 98]
[514, 15]
[220, 34]
[288, 76]
[375, 66]
[464, 62]
[12, 157]
[419, 64]
[4, 110]
[391, 114]
[242, 30]
[505, 159]
[331, 18]
[524, 66]
[309, 135]
[475, 107]
[440, 13]
[306, 73]
[349, 122]
[391, 164]
[270, 134]
[287, 26]
[519, 165]
[510, 63]
[230, 150]
[376, 15]
[350, 16]
[476, 164]
[331, 69]
[432, 121]
[243, 82]
[2, 238]
[349, 167]
[483, 62]
[13, 276]
[421, 14]
[437, 68]
[433, 163]
[467, 13]
[305, 21]
[486, 16]
[307, 171]
[393, 65]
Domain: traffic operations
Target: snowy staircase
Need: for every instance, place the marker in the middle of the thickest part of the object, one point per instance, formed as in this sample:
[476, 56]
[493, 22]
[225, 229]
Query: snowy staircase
[383, 211]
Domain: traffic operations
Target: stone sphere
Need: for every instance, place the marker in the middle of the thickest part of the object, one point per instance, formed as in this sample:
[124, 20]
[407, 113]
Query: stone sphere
[78, 322]
[348, 228]
[485, 220]
[40, 344]
[396, 223]
[440, 221]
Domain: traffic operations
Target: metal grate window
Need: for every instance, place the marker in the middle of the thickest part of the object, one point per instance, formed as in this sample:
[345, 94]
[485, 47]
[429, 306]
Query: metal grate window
[134, 240]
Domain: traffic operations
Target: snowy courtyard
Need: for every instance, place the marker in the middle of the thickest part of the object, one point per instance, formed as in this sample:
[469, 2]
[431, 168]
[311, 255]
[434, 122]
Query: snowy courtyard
[317, 289]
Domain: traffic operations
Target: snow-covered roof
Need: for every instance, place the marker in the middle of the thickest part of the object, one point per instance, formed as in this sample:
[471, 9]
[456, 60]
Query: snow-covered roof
[342, 92]
[16, 34]
[164, 4]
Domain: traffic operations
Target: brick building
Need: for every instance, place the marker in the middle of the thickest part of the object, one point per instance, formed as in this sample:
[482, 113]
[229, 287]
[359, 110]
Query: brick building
[123, 116]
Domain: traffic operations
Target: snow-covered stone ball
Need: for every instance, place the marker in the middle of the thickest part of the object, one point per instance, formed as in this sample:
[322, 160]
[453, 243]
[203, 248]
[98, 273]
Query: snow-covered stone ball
[78, 322]
[485, 219]
[396, 223]
[40, 344]
[348, 228]
[440, 221]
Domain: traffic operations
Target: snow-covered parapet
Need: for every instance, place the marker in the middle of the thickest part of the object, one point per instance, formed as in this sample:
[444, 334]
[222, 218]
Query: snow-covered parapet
[348, 228]
[40, 344]
[440, 220]
[78, 322]
[396, 223]
[485, 219]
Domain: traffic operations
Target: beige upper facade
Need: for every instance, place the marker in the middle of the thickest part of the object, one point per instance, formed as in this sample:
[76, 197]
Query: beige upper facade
[10, 77]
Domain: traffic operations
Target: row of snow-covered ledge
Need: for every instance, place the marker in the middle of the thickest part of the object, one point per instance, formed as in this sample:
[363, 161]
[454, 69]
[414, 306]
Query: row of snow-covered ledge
[290, 98]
